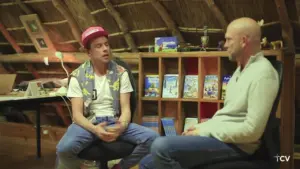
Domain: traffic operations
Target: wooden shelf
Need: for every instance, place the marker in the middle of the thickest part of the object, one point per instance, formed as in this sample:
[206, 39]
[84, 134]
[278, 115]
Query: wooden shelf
[185, 63]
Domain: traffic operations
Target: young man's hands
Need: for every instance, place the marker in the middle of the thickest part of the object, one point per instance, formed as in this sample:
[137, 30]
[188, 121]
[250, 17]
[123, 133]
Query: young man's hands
[109, 133]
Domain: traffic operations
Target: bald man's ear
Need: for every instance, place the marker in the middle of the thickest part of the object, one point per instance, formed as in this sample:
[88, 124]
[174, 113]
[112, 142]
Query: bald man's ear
[244, 41]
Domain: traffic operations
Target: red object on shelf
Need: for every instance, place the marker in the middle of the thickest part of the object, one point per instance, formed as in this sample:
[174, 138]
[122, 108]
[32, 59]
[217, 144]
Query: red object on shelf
[191, 66]
[207, 110]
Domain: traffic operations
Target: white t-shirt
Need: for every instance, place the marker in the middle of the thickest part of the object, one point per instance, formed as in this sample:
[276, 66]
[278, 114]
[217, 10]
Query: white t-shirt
[102, 106]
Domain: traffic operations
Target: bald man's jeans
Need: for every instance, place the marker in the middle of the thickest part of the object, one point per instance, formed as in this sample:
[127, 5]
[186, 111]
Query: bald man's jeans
[183, 152]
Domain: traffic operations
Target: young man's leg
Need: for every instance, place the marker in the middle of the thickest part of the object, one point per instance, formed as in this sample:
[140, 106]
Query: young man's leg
[178, 152]
[74, 140]
[143, 138]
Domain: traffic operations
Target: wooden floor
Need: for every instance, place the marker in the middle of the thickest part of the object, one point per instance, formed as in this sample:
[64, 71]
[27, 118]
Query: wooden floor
[18, 153]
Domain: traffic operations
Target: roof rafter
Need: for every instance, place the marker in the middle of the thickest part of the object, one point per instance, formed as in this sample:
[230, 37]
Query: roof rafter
[62, 8]
[168, 20]
[10, 39]
[81, 13]
[218, 13]
[122, 25]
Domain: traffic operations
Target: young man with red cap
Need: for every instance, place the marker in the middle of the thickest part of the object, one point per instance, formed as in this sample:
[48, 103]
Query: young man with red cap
[100, 96]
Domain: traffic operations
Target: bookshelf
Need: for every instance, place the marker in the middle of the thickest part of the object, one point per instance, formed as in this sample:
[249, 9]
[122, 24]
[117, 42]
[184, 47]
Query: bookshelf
[184, 63]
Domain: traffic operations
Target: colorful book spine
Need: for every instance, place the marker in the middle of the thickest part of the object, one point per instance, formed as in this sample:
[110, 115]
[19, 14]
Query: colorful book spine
[151, 122]
[225, 81]
[151, 86]
[190, 89]
[189, 122]
[171, 86]
[210, 90]
[169, 126]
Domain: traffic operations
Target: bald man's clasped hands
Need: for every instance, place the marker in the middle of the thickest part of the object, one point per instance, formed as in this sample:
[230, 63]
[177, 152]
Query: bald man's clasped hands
[234, 131]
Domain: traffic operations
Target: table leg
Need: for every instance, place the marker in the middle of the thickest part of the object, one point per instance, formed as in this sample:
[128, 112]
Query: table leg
[38, 132]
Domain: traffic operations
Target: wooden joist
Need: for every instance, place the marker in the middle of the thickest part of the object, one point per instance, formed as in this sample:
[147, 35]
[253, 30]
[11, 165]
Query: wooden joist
[168, 20]
[122, 25]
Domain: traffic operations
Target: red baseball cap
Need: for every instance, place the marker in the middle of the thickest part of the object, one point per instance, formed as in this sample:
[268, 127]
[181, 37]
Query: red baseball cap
[91, 33]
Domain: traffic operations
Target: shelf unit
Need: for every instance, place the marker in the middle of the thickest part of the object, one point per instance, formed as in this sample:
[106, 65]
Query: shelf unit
[184, 63]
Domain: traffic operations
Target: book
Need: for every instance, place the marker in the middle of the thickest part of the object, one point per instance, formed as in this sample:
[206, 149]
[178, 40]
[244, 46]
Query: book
[210, 89]
[169, 126]
[225, 81]
[189, 122]
[190, 89]
[151, 122]
[165, 44]
[151, 86]
[170, 86]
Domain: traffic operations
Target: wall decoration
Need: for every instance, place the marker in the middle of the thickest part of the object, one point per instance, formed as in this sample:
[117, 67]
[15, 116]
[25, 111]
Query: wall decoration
[37, 34]
[41, 42]
[32, 25]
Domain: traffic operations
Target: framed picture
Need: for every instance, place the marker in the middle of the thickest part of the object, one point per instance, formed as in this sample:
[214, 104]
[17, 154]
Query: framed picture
[33, 27]
[36, 32]
[42, 43]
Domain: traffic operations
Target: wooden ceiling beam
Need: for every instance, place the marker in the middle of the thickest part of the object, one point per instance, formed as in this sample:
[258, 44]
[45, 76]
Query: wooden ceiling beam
[10, 39]
[217, 12]
[81, 13]
[287, 30]
[62, 8]
[24, 7]
[69, 57]
[168, 20]
[122, 25]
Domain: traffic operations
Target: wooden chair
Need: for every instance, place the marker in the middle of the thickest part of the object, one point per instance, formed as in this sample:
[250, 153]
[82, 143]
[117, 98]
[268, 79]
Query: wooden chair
[103, 151]
[264, 158]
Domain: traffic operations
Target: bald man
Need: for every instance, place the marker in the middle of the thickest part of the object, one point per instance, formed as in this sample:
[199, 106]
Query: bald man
[234, 132]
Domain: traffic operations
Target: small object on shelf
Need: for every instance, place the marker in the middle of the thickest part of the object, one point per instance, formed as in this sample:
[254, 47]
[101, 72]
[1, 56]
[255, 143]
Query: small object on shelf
[204, 39]
[166, 44]
[150, 48]
[277, 44]
[264, 43]
[221, 45]
[261, 22]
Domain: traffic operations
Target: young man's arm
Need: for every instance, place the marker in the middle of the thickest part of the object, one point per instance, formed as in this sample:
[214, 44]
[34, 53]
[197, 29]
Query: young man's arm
[125, 92]
[75, 93]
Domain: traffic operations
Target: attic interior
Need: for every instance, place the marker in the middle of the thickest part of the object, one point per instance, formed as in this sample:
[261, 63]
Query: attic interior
[35, 32]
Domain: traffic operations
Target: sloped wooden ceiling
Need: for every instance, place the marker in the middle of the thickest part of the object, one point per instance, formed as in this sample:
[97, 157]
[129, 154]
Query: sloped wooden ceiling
[133, 24]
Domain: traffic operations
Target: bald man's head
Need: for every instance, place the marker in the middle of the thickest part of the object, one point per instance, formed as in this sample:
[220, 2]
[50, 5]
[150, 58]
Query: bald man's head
[242, 36]
[247, 27]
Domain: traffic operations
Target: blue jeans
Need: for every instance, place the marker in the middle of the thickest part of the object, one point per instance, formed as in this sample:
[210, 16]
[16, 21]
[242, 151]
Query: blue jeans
[77, 138]
[180, 152]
